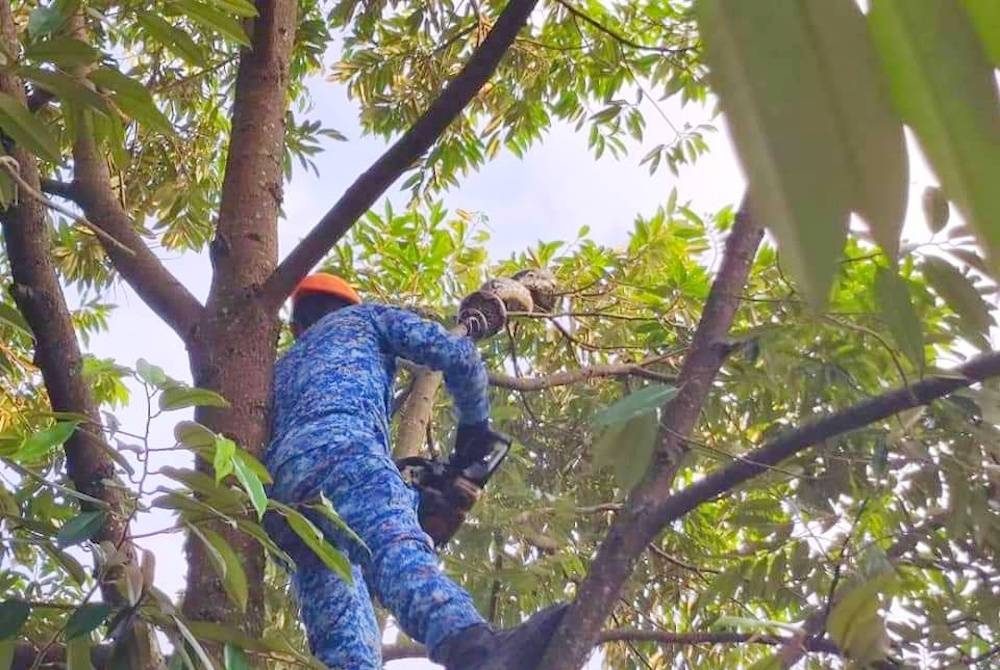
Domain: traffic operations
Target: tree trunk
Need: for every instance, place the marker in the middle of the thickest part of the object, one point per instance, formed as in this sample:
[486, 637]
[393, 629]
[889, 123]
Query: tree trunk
[233, 348]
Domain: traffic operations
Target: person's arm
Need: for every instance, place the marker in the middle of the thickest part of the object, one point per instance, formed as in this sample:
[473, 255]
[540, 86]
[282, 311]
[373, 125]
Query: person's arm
[427, 343]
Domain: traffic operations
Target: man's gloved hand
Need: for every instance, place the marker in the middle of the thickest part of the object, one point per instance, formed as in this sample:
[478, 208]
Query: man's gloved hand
[473, 443]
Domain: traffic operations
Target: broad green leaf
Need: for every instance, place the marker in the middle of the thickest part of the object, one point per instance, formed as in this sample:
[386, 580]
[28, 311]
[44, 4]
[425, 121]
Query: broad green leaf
[194, 435]
[251, 483]
[944, 87]
[332, 557]
[771, 662]
[896, 309]
[959, 293]
[206, 486]
[228, 565]
[68, 563]
[181, 397]
[11, 316]
[86, 618]
[985, 16]
[44, 21]
[244, 8]
[195, 645]
[871, 131]
[855, 625]
[80, 528]
[65, 88]
[133, 98]
[765, 68]
[38, 445]
[325, 507]
[13, 615]
[222, 462]
[78, 654]
[66, 52]
[211, 18]
[151, 374]
[27, 130]
[234, 658]
[627, 448]
[936, 208]
[171, 37]
[642, 401]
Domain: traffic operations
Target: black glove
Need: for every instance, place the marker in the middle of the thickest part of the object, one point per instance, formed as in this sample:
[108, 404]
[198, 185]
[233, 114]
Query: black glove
[473, 443]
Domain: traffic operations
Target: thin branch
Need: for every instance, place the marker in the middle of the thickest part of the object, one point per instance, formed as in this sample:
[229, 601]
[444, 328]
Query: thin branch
[363, 193]
[568, 377]
[618, 37]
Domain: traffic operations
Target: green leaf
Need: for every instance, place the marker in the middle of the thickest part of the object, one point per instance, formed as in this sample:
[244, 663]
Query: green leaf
[985, 15]
[78, 654]
[944, 87]
[243, 8]
[195, 645]
[252, 484]
[896, 309]
[65, 88]
[959, 293]
[211, 18]
[628, 448]
[855, 625]
[228, 565]
[38, 445]
[80, 528]
[642, 401]
[44, 21]
[181, 397]
[223, 464]
[325, 507]
[13, 615]
[27, 130]
[151, 374]
[171, 37]
[63, 51]
[746, 623]
[194, 435]
[234, 658]
[11, 316]
[316, 541]
[86, 618]
[133, 98]
[767, 69]
[936, 209]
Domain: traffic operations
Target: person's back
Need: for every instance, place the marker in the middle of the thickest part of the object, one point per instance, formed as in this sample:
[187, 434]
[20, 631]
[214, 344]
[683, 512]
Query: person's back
[330, 437]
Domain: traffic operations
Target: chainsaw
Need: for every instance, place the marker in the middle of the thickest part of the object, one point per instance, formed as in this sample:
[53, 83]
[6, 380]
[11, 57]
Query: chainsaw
[448, 492]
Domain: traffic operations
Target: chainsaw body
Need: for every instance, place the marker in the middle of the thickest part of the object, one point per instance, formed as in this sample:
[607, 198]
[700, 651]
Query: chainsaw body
[447, 492]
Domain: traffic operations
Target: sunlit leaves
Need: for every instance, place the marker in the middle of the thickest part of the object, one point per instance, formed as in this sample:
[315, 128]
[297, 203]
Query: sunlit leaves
[855, 624]
[40, 444]
[27, 130]
[896, 307]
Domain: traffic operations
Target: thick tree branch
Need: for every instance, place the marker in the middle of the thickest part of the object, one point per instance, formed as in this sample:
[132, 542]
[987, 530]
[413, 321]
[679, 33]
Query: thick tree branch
[158, 288]
[568, 377]
[363, 193]
[634, 527]
[63, 189]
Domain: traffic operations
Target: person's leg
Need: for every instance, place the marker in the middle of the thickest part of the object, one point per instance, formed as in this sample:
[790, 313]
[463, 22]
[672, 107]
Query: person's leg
[400, 565]
[338, 617]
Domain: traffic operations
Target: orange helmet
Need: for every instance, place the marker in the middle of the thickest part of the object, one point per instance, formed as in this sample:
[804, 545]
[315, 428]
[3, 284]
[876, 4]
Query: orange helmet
[324, 282]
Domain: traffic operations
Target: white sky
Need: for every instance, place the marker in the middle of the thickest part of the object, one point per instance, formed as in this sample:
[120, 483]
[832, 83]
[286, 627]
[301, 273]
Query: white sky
[554, 190]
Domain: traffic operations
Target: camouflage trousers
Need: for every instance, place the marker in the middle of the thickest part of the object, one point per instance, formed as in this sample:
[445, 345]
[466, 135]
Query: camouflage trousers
[399, 567]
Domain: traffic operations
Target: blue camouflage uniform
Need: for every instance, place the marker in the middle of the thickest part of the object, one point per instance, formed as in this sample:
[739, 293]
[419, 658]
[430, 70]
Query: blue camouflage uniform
[330, 434]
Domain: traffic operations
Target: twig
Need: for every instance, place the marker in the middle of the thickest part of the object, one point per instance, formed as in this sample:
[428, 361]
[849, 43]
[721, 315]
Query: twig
[11, 167]
[586, 18]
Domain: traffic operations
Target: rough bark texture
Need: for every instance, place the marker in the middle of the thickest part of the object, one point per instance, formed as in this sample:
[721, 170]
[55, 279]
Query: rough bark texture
[233, 348]
[636, 525]
[39, 297]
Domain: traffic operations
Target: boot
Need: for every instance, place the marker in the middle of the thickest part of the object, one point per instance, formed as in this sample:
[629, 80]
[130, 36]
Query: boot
[518, 648]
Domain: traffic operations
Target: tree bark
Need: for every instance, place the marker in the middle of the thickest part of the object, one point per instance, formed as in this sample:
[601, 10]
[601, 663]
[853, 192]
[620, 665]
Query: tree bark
[39, 297]
[234, 347]
[637, 524]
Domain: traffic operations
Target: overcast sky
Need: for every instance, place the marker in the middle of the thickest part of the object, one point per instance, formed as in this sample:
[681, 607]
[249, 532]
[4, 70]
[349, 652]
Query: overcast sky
[554, 190]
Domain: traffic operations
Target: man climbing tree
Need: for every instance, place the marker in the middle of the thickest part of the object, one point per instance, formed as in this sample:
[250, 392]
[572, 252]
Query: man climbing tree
[330, 437]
